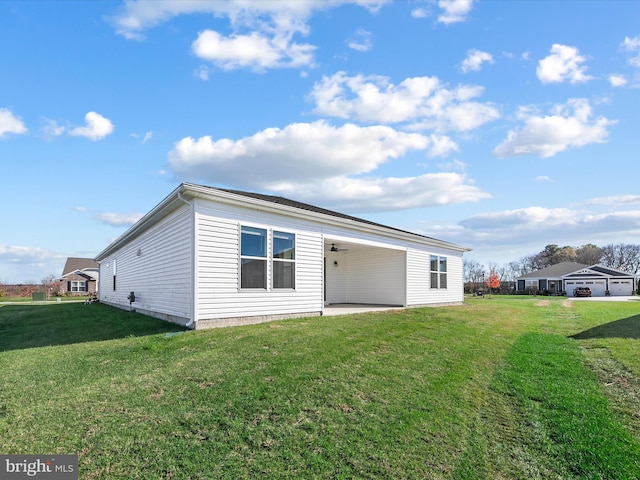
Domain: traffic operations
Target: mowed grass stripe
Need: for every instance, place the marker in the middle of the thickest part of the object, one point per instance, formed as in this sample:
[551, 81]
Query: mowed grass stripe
[561, 402]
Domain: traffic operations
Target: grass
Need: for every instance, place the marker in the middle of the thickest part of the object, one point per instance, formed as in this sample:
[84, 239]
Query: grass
[506, 387]
[51, 299]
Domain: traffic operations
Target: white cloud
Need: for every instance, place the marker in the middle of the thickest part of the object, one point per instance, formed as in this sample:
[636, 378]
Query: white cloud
[147, 136]
[256, 51]
[421, 100]
[307, 160]
[505, 236]
[202, 72]
[262, 31]
[52, 129]
[570, 126]
[474, 60]
[19, 254]
[531, 217]
[420, 13]
[97, 127]
[564, 64]
[119, 219]
[386, 194]
[543, 178]
[632, 45]
[298, 152]
[617, 80]
[441, 146]
[360, 41]
[454, 11]
[617, 200]
[9, 123]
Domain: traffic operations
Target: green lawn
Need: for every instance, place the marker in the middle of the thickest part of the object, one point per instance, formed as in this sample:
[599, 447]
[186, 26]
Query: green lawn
[501, 387]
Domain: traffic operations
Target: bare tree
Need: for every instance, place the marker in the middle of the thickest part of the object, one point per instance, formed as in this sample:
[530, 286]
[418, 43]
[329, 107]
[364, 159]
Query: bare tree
[622, 256]
[50, 283]
[473, 274]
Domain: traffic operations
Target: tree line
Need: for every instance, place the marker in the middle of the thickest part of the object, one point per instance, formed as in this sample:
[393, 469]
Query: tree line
[621, 256]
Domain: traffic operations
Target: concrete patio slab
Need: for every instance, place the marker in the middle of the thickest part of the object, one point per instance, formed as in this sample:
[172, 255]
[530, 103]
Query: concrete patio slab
[351, 308]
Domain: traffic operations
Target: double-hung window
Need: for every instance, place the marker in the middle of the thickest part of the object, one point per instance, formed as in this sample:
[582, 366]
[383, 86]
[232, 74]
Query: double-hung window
[264, 255]
[438, 268]
[74, 286]
[253, 257]
[284, 260]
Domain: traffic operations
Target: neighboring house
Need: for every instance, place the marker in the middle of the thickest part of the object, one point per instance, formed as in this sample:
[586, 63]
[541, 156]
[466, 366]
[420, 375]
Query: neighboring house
[566, 276]
[80, 276]
[207, 257]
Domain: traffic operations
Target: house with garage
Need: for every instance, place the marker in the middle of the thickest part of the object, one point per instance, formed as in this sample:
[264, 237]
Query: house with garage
[207, 257]
[563, 278]
[80, 276]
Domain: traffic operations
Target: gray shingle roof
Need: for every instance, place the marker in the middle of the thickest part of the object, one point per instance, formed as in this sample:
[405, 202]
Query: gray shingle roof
[76, 263]
[305, 206]
[557, 270]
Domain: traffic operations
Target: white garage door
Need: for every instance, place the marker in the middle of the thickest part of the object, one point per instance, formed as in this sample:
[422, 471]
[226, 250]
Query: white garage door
[620, 287]
[598, 287]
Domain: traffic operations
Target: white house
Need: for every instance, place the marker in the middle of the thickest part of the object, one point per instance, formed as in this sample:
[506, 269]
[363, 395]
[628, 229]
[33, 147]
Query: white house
[565, 277]
[207, 257]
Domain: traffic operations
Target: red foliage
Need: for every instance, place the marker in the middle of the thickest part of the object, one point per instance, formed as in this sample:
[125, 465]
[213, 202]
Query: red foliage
[493, 282]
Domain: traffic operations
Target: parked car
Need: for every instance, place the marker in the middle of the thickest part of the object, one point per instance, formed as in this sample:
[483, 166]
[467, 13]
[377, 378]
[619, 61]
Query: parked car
[582, 292]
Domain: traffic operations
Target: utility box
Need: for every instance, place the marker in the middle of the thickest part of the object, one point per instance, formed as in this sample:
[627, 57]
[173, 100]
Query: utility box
[38, 297]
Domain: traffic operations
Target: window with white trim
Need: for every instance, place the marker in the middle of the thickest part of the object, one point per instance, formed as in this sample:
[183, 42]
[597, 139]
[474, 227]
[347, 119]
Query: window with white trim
[253, 257]
[284, 260]
[78, 286]
[438, 269]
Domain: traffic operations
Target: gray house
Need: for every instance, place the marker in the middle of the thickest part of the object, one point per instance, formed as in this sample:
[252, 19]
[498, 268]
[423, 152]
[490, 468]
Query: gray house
[207, 257]
[564, 277]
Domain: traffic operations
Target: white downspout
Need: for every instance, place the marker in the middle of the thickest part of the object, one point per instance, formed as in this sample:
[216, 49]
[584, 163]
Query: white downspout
[193, 261]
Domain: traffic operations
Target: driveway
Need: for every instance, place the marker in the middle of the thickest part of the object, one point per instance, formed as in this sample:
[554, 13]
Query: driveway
[606, 299]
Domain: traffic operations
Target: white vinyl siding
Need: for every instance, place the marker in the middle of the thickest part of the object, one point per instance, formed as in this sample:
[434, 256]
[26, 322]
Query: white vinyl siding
[218, 252]
[419, 291]
[156, 266]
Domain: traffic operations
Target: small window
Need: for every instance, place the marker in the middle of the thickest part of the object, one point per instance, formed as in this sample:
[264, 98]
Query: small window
[253, 257]
[438, 268]
[284, 256]
[78, 286]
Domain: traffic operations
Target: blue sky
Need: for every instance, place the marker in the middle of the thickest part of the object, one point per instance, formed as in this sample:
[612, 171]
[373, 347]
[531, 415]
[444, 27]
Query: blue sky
[501, 126]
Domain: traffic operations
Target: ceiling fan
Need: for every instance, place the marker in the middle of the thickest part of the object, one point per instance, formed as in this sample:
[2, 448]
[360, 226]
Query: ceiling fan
[336, 249]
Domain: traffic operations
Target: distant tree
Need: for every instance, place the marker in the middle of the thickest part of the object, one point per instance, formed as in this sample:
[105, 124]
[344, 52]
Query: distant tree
[472, 274]
[51, 284]
[493, 281]
[589, 254]
[553, 254]
[623, 256]
[514, 271]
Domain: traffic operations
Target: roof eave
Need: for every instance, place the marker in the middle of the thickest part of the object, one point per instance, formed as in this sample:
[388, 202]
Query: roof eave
[189, 190]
